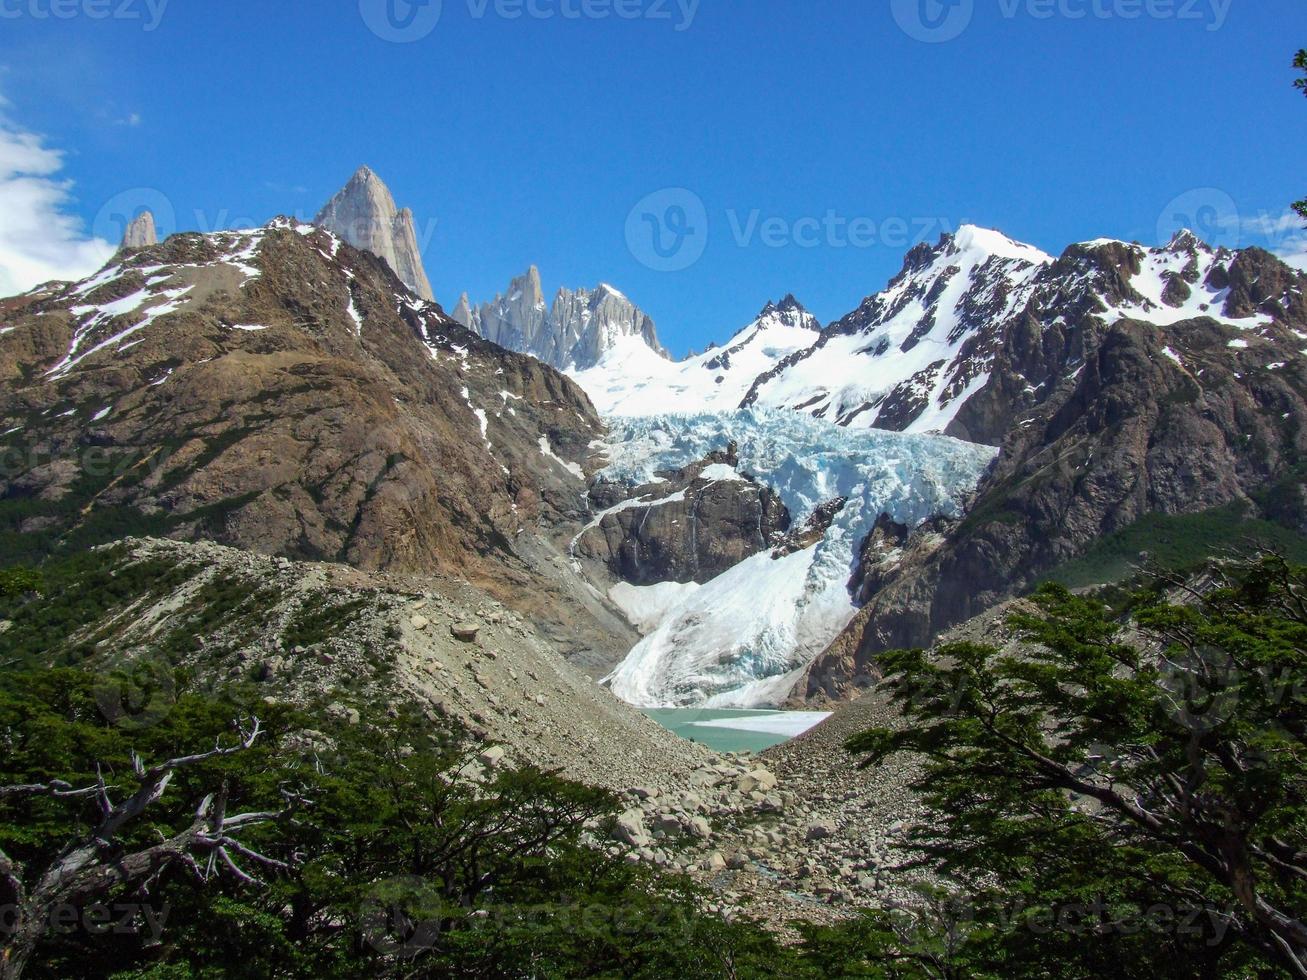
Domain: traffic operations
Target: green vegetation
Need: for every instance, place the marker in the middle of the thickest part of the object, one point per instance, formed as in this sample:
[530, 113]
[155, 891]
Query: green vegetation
[391, 868]
[318, 620]
[1173, 542]
[1109, 804]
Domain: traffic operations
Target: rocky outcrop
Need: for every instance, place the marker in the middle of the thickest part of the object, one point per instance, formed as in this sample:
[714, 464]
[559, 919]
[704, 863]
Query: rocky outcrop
[695, 524]
[141, 232]
[363, 214]
[574, 333]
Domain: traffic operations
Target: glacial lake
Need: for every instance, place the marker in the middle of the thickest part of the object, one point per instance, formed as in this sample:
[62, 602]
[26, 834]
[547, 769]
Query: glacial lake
[736, 730]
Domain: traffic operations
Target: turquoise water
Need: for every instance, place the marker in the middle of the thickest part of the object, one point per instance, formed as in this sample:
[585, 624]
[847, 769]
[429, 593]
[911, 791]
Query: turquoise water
[680, 721]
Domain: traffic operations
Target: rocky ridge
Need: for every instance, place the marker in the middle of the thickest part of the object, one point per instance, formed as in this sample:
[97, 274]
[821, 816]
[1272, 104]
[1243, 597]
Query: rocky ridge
[575, 332]
[691, 526]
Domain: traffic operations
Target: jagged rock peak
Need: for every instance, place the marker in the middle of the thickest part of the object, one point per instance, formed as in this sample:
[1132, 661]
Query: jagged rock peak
[141, 232]
[789, 312]
[575, 332]
[364, 214]
[462, 312]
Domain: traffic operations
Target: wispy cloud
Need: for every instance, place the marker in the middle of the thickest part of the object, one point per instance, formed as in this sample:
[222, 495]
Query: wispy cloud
[40, 239]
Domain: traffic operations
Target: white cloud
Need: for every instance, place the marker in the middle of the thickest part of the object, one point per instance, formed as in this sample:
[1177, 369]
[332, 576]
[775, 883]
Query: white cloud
[1295, 254]
[39, 239]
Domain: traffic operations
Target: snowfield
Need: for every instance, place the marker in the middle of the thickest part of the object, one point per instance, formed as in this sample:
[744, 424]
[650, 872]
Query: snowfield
[743, 639]
[631, 379]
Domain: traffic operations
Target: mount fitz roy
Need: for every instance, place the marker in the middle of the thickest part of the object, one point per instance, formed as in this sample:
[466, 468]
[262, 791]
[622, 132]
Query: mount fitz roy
[574, 333]
[363, 214]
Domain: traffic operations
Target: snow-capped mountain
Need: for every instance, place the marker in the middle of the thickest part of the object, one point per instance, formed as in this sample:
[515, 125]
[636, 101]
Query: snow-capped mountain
[631, 380]
[909, 357]
[363, 214]
[575, 333]
[744, 638]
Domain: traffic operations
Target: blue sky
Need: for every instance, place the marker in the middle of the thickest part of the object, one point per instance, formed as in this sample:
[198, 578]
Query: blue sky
[820, 138]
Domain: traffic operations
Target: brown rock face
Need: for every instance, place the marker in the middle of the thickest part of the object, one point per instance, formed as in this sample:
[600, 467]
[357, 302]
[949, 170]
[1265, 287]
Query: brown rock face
[685, 529]
[282, 392]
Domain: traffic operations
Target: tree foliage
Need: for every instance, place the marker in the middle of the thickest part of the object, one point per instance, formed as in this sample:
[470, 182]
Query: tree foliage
[389, 865]
[1128, 799]
[1300, 63]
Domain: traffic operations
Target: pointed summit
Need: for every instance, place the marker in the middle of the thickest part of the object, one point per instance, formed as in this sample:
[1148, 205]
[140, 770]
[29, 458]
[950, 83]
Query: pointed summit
[576, 331]
[789, 312]
[463, 313]
[141, 232]
[364, 215]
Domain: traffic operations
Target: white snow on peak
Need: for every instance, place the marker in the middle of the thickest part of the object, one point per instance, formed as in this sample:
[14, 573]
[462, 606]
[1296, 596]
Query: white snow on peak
[902, 347]
[1192, 266]
[632, 379]
[987, 242]
[742, 639]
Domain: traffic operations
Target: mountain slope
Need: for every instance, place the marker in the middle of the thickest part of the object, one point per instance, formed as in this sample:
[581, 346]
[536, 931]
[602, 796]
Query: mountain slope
[576, 332]
[280, 391]
[1104, 419]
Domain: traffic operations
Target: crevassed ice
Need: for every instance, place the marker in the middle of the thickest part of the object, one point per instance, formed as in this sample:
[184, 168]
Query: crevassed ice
[743, 639]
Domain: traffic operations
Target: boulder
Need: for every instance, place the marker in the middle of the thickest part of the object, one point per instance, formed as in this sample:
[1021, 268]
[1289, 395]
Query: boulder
[758, 780]
[821, 830]
[465, 632]
[630, 829]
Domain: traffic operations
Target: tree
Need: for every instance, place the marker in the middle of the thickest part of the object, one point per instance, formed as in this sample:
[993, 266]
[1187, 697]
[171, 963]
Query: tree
[95, 864]
[1300, 63]
[1112, 773]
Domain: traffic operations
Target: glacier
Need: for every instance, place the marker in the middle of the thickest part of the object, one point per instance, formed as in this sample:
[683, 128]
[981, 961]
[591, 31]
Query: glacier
[743, 639]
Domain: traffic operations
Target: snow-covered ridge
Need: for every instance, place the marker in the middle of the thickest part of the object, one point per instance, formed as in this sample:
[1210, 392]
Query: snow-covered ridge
[631, 380]
[742, 639]
[105, 326]
[897, 361]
